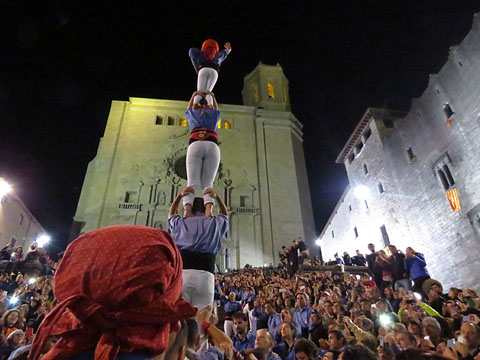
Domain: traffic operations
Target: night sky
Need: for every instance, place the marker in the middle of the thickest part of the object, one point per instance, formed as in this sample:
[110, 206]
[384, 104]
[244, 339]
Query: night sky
[62, 64]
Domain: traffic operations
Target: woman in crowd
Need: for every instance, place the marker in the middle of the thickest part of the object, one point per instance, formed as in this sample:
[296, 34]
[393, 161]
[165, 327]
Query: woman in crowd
[384, 263]
[10, 322]
[18, 254]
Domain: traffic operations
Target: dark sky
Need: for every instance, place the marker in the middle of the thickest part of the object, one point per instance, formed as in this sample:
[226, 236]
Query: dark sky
[62, 63]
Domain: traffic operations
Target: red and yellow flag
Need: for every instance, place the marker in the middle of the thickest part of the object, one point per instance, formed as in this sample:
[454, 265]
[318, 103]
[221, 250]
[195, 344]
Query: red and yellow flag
[452, 196]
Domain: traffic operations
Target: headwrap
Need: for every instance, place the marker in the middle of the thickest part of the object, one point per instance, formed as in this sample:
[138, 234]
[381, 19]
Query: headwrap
[210, 48]
[119, 290]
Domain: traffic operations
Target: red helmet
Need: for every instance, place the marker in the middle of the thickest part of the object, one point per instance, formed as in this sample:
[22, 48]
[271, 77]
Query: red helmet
[209, 48]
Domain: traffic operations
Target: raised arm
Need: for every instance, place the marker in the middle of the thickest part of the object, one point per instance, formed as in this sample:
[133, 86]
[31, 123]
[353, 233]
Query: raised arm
[190, 103]
[222, 208]
[174, 207]
[194, 54]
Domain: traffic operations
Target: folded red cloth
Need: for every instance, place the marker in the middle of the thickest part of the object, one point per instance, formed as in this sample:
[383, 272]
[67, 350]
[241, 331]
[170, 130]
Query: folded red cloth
[119, 291]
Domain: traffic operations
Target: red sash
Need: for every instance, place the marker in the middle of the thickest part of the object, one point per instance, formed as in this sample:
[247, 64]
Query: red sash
[201, 134]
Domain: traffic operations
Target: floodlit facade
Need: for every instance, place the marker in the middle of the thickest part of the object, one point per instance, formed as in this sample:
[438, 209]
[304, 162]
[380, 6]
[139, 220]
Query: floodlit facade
[140, 167]
[414, 178]
[17, 224]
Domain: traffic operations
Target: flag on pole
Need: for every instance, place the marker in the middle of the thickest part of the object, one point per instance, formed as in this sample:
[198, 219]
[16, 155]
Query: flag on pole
[452, 196]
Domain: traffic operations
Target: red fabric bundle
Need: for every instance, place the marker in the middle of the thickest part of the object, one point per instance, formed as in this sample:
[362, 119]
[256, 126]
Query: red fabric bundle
[210, 48]
[119, 291]
[369, 283]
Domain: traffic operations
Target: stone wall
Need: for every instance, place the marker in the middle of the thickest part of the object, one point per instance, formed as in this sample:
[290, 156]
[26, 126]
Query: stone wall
[414, 207]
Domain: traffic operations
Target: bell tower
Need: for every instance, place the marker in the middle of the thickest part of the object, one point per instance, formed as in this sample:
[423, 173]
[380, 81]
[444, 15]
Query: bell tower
[266, 87]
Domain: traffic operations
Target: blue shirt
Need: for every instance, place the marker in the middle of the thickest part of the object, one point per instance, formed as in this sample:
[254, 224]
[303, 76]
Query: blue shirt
[301, 317]
[209, 119]
[274, 322]
[197, 57]
[416, 266]
[241, 345]
[212, 353]
[284, 352]
[230, 306]
[198, 233]
[272, 356]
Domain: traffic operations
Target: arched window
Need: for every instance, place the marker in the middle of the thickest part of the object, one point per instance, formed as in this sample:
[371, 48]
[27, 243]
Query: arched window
[271, 93]
[228, 125]
[183, 122]
[219, 124]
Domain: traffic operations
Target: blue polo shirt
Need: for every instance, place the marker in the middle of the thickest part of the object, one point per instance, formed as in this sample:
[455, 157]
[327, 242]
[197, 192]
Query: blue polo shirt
[201, 234]
[209, 119]
[241, 345]
[301, 318]
[284, 351]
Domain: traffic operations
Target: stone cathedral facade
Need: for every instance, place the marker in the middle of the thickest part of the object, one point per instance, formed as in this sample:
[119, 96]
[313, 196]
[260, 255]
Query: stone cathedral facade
[140, 167]
[419, 175]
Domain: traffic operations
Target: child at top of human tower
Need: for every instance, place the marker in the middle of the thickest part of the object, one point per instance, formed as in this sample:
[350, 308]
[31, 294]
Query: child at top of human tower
[206, 62]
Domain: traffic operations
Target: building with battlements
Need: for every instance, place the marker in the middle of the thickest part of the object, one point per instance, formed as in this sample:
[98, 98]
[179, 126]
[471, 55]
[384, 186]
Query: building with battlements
[140, 167]
[414, 178]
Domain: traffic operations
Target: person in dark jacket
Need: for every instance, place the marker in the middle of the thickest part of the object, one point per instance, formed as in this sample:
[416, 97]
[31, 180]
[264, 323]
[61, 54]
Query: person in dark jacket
[359, 259]
[400, 277]
[346, 259]
[376, 273]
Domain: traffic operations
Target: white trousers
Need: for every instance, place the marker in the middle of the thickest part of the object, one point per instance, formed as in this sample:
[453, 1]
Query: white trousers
[207, 78]
[203, 158]
[228, 328]
[198, 287]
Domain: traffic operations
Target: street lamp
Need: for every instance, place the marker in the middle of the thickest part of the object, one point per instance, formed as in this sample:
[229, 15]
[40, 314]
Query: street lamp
[5, 188]
[42, 240]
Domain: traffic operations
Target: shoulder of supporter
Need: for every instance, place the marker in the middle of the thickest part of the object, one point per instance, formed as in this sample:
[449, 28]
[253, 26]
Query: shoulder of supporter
[173, 220]
[212, 353]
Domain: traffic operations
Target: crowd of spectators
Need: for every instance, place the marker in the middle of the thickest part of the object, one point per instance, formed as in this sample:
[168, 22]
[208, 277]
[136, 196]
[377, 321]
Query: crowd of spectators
[391, 311]
[26, 296]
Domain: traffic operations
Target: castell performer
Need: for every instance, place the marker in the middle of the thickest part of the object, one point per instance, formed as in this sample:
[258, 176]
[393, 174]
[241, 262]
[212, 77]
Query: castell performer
[199, 239]
[203, 153]
[206, 62]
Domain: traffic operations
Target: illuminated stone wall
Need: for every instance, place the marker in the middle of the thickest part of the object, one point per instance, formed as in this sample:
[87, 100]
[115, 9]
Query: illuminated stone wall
[414, 207]
[139, 169]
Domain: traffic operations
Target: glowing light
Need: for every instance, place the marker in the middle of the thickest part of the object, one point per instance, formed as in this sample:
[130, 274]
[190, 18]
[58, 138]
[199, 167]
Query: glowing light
[318, 242]
[271, 92]
[42, 240]
[362, 192]
[5, 188]
[417, 295]
[385, 320]
[13, 300]
[32, 281]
